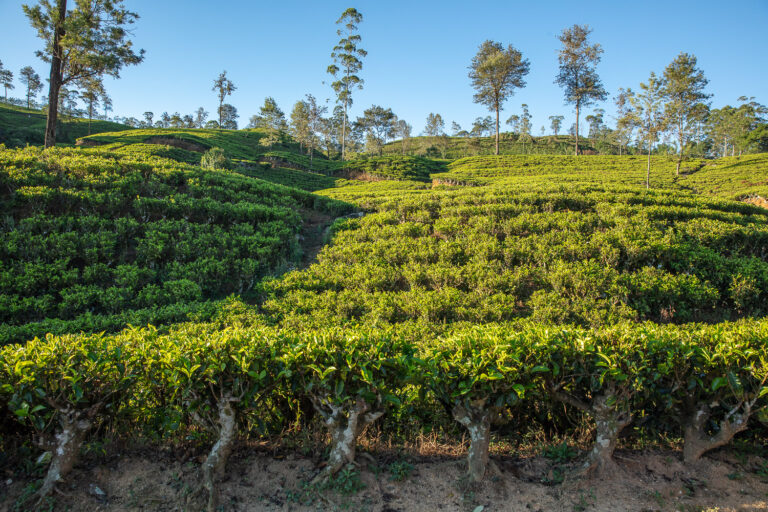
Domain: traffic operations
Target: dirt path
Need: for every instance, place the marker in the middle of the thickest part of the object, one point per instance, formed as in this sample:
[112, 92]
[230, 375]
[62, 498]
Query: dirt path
[314, 234]
[260, 481]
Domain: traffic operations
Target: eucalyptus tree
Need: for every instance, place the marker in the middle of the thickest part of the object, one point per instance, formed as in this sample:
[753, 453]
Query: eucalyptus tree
[555, 122]
[223, 87]
[514, 123]
[648, 110]
[577, 74]
[731, 126]
[270, 117]
[228, 115]
[626, 122]
[347, 62]
[31, 81]
[434, 125]
[6, 79]
[165, 120]
[106, 103]
[525, 126]
[455, 128]
[403, 130]
[686, 102]
[495, 73]
[92, 90]
[307, 123]
[379, 126]
[595, 121]
[148, 115]
[299, 124]
[90, 40]
[200, 117]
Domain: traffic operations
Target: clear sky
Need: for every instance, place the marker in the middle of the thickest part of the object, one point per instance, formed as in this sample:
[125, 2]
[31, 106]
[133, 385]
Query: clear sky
[418, 51]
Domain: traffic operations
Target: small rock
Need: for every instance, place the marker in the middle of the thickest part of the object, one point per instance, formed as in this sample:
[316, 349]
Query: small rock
[94, 490]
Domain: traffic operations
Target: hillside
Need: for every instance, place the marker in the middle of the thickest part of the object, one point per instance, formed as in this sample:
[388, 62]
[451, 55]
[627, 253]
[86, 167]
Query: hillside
[547, 310]
[450, 147]
[20, 126]
[732, 178]
[94, 240]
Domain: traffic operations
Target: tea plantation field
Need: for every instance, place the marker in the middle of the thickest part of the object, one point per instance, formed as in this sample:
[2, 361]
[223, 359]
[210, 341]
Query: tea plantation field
[492, 298]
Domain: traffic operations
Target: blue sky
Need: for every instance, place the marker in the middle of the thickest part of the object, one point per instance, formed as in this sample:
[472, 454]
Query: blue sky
[418, 51]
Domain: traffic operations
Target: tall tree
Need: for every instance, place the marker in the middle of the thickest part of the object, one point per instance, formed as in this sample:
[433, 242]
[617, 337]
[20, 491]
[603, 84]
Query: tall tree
[200, 116]
[514, 123]
[577, 75]
[106, 103]
[525, 126]
[686, 101]
[270, 117]
[92, 89]
[434, 127]
[90, 40]
[403, 130]
[648, 107]
[165, 120]
[68, 101]
[626, 122]
[495, 73]
[299, 126]
[379, 125]
[455, 128]
[31, 81]
[228, 115]
[148, 115]
[223, 87]
[315, 115]
[595, 122]
[6, 79]
[176, 120]
[347, 62]
[555, 122]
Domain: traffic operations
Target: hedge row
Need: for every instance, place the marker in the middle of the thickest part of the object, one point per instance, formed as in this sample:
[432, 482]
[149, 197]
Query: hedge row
[710, 380]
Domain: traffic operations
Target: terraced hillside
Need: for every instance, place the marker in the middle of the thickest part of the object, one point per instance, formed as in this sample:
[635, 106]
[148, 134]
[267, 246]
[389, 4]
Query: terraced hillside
[20, 126]
[499, 300]
[93, 240]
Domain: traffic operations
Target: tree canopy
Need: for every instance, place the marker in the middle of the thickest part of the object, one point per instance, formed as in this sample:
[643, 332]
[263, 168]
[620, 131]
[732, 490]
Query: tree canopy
[495, 73]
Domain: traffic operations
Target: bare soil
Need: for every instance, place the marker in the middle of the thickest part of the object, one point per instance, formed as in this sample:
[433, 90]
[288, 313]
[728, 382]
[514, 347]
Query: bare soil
[757, 201]
[143, 480]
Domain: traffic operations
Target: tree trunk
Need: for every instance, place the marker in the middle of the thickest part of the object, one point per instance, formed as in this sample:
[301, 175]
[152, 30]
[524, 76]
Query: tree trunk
[648, 168]
[345, 426]
[697, 442]
[679, 155]
[478, 424]
[344, 133]
[215, 463]
[55, 77]
[68, 442]
[577, 129]
[609, 423]
[497, 130]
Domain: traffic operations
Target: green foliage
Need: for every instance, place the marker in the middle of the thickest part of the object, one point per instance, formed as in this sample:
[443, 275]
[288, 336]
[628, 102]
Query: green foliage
[20, 126]
[583, 254]
[214, 159]
[92, 240]
[400, 470]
